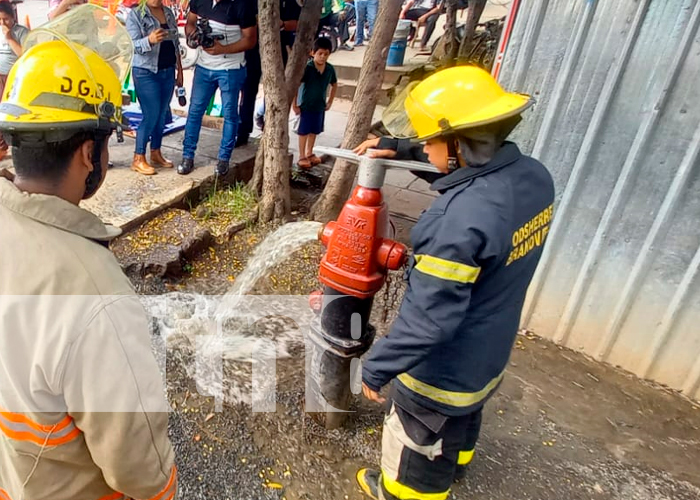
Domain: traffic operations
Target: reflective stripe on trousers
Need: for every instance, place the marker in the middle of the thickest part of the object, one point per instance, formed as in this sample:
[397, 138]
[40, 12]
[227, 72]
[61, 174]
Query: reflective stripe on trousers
[420, 453]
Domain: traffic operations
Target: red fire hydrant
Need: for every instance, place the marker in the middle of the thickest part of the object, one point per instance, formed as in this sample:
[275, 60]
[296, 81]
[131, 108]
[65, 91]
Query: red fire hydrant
[358, 257]
[359, 252]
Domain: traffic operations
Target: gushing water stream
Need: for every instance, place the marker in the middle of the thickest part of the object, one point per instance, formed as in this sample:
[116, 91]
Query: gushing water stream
[219, 339]
[272, 251]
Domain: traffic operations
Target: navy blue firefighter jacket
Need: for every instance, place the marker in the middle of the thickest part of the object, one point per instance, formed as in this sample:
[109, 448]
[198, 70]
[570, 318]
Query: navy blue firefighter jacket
[475, 251]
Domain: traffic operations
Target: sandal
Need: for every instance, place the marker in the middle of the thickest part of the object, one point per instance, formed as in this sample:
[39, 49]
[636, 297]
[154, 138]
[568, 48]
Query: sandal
[314, 160]
[304, 163]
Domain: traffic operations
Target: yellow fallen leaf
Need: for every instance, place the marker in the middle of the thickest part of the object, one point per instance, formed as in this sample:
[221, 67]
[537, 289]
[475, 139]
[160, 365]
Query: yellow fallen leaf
[274, 486]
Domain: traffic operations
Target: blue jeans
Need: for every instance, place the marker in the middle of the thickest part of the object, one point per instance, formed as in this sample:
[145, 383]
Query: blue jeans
[366, 11]
[206, 81]
[154, 92]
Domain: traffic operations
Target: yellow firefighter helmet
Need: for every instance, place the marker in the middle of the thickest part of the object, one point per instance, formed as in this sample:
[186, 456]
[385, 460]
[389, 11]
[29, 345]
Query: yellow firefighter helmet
[450, 100]
[69, 77]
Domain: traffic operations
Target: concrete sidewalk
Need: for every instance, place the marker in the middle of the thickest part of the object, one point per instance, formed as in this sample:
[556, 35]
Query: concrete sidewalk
[126, 199]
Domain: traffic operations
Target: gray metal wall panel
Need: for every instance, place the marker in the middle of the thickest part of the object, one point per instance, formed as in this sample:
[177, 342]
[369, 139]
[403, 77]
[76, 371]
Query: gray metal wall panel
[617, 121]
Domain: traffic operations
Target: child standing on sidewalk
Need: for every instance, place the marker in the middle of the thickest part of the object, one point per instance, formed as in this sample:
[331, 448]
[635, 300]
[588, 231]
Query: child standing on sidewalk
[318, 76]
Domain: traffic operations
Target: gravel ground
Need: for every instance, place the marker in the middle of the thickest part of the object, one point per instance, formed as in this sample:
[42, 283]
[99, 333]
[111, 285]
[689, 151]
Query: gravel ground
[562, 426]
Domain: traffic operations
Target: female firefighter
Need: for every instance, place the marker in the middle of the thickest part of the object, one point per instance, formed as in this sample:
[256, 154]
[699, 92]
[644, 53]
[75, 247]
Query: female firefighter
[475, 251]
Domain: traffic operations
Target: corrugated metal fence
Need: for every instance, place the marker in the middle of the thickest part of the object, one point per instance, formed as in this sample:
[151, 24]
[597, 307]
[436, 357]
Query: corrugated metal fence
[618, 124]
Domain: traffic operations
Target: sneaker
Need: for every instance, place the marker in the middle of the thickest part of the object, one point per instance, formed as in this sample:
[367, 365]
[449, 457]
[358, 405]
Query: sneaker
[368, 481]
[186, 166]
[347, 47]
[222, 167]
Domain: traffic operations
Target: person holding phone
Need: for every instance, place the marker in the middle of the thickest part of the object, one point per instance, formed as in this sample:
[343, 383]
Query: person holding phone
[156, 69]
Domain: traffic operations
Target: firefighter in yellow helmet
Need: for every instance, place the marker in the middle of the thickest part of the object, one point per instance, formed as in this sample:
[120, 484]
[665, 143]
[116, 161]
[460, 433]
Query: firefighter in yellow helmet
[475, 251]
[82, 408]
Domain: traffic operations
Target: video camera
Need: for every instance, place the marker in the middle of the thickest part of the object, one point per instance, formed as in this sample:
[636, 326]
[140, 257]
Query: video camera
[202, 35]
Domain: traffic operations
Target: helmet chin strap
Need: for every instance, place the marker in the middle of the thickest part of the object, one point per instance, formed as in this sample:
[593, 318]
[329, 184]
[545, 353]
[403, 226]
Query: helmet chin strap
[452, 154]
[92, 182]
[105, 112]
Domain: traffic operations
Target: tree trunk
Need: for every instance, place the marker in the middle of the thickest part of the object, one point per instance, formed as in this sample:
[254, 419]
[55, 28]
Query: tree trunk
[307, 27]
[451, 45]
[257, 180]
[275, 202]
[476, 8]
[360, 120]
[303, 43]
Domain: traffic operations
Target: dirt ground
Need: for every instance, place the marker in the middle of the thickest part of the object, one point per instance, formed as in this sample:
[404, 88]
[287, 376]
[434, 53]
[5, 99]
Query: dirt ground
[561, 426]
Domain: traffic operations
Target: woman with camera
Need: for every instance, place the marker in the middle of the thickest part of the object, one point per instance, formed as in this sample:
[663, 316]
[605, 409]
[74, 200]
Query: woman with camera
[156, 70]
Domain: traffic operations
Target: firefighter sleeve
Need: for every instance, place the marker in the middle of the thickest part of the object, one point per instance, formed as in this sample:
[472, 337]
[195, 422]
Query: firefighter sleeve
[114, 391]
[434, 306]
[407, 150]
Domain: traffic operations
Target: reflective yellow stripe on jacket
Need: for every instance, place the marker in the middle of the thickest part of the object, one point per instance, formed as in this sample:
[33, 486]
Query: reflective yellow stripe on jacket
[19, 427]
[446, 269]
[451, 398]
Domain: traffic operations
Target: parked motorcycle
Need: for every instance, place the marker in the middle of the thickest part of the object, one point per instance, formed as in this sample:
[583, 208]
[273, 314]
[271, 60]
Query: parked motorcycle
[484, 44]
